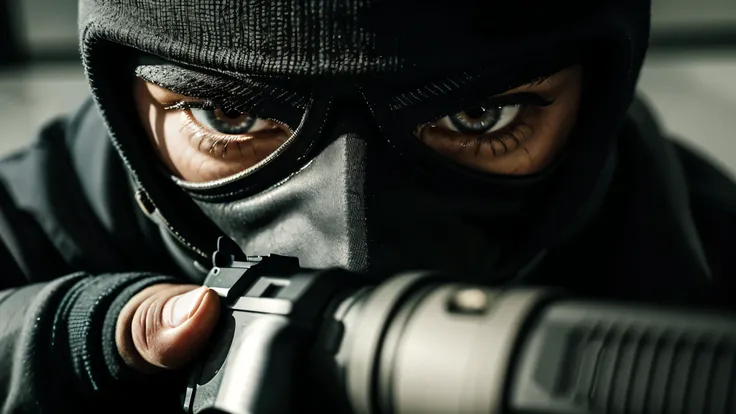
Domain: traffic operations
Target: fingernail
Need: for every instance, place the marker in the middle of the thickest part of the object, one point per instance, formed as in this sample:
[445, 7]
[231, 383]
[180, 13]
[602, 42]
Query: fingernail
[186, 305]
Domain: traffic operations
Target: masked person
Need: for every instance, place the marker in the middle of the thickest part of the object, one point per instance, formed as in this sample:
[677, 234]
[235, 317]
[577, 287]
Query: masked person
[498, 142]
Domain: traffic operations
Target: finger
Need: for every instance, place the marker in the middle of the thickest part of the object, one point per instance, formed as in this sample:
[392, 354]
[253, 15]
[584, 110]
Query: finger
[124, 328]
[171, 325]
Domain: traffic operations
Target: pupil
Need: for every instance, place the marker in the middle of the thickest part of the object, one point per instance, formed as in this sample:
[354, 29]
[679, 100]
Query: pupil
[476, 112]
[231, 114]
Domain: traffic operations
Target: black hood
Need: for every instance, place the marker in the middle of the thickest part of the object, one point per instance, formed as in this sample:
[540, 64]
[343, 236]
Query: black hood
[352, 189]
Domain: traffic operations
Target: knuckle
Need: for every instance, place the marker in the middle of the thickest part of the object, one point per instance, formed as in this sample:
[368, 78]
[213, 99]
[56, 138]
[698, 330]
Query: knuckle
[138, 330]
[147, 328]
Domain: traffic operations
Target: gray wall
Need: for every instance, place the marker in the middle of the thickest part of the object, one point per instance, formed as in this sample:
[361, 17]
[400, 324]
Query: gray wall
[668, 14]
[47, 26]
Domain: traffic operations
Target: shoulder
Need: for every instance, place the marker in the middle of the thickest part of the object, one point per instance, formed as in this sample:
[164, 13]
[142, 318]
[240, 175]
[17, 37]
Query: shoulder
[708, 185]
[712, 195]
[47, 173]
[70, 186]
[683, 204]
[47, 209]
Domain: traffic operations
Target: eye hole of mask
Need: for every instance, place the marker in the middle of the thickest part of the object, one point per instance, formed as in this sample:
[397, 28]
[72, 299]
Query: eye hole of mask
[481, 120]
[227, 122]
[200, 142]
[516, 133]
[226, 126]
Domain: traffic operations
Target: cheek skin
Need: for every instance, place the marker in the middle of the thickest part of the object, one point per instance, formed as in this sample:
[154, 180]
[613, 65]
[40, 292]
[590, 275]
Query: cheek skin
[186, 153]
[541, 135]
[155, 123]
[552, 133]
[178, 154]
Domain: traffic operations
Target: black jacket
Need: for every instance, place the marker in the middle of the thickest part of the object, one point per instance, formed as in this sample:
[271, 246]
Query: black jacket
[75, 246]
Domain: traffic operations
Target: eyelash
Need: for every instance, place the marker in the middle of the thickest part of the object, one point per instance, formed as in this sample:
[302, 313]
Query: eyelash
[187, 105]
[518, 130]
[512, 132]
[529, 104]
[200, 132]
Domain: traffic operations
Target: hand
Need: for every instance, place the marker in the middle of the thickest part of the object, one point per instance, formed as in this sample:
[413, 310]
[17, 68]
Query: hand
[165, 326]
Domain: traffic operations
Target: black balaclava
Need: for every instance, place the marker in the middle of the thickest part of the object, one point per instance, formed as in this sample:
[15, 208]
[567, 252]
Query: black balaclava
[353, 187]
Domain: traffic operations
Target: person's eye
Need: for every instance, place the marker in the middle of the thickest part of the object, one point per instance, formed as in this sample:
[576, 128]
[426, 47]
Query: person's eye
[228, 123]
[481, 120]
[213, 143]
[201, 141]
[492, 137]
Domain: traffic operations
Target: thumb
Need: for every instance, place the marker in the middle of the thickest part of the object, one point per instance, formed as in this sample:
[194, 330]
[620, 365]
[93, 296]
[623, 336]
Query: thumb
[171, 325]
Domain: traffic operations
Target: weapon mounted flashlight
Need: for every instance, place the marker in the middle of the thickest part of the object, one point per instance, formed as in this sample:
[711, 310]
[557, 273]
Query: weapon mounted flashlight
[298, 340]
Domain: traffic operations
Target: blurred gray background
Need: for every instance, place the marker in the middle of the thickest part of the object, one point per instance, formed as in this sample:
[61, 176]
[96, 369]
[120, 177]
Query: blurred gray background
[690, 74]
